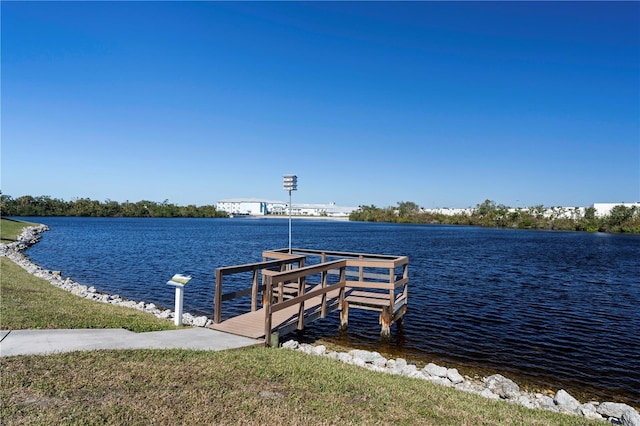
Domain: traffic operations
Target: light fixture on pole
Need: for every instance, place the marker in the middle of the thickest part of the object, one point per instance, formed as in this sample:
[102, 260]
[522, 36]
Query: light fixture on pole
[290, 184]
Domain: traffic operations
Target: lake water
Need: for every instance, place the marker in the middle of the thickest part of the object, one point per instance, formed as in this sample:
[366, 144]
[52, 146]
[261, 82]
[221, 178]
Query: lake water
[549, 309]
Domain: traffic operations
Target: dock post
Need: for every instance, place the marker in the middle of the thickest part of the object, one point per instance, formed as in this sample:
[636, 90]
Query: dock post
[267, 313]
[275, 339]
[217, 298]
[344, 316]
[254, 291]
[386, 319]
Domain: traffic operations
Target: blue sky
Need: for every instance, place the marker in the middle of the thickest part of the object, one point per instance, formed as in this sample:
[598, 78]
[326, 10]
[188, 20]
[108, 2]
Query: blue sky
[445, 104]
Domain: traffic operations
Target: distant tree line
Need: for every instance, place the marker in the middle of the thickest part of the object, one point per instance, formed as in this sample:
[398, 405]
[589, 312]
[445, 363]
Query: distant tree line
[621, 219]
[47, 206]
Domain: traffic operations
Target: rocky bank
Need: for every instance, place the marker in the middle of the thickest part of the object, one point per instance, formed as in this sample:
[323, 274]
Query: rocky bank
[495, 387]
[31, 235]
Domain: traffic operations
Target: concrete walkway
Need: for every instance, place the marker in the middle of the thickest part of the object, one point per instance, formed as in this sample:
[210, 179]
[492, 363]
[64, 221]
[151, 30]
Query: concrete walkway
[42, 342]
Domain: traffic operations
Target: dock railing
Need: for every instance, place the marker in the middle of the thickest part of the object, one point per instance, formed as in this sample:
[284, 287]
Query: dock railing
[256, 269]
[380, 284]
[275, 282]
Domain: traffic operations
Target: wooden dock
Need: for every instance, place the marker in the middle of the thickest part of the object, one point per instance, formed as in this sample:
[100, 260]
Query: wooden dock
[294, 294]
[252, 324]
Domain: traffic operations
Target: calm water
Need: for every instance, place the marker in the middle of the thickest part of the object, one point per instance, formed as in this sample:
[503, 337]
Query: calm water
[555, 310]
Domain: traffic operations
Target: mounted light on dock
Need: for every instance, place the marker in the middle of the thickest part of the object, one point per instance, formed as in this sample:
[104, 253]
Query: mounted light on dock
[290, 184]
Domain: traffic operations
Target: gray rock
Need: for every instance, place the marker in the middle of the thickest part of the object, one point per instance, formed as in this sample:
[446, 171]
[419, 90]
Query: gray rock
[470, 386]
[306, 348]
[332, 355]
[366, 356]
[416, 374]
[589, 411]
[409, 370]
[486, 393]
[358, 362]
[435, 370]
[439, 380]
[400, 363]
[379, 361]
[186, 318]
[613, 409]
[565, 401]
[546, 403]
[630, 418]
[503, 387]
[200, 321]
[290, 344]
[319, 350]
[396, 366]
[526, 401]
[344, 357]
[375, 368]
[454, 376]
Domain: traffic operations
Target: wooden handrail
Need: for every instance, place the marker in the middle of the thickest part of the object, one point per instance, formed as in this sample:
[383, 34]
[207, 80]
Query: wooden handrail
[236, 269]
[254, 289]
[305, 271]
[280, 253]
[309, 295]
[300, 274]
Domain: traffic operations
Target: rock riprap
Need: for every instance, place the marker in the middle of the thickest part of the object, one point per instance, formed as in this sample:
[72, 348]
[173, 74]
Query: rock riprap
[495, 387]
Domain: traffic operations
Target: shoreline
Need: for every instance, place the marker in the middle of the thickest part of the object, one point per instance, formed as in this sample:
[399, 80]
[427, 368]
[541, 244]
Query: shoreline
[494, 387]
[31, 235]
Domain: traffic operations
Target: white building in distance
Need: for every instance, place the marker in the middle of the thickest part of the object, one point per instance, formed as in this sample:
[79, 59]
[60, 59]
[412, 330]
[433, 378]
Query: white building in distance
[244, 206]
[261, 207]
[603, 209]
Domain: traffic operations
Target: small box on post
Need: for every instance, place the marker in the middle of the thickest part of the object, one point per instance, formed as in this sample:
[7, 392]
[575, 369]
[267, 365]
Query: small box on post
[178, 281]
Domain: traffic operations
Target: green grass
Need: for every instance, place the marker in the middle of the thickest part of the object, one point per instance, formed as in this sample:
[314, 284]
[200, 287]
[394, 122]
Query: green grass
[247, 386]
[31, 302]
[10, 229]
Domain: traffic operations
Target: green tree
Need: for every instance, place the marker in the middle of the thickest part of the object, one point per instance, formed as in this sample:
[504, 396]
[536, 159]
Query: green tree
[408, 211]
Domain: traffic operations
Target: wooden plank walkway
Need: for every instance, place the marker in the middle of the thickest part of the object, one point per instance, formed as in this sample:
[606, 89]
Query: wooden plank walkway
[252, 324]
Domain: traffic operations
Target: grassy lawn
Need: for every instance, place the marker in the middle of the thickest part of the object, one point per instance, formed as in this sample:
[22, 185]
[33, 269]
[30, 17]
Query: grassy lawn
[31, 302]
[10, 229]
[247, 386]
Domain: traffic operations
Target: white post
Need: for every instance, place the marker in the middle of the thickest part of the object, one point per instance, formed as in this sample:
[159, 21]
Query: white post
[178, 281]
[290, 184]
[289, 221]
[178, 310]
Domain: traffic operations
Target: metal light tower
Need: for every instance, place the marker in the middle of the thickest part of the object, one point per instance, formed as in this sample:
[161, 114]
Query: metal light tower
[290, 184]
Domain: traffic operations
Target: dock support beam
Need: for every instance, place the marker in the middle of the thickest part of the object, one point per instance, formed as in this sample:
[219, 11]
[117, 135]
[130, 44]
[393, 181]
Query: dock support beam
[274, 341]
[386, 319]
[344, 316]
